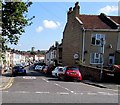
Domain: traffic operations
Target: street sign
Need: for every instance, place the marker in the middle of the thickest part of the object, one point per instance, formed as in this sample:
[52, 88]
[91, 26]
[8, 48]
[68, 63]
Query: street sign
[76, 56]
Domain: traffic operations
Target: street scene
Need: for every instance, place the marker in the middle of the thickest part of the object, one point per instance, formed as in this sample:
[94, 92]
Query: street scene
[60, 52]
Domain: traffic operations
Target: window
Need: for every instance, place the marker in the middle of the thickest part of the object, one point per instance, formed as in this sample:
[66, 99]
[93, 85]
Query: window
[111, 59]
[95, 58]
[97, 39]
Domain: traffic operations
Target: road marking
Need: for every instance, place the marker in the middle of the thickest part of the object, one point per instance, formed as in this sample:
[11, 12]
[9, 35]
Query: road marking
[45, 80]
[62, 93]
[64, 88]
[56, 84]
[22, 92]
[67, 89]
[42, 92]
[103, 93]
[113, 90]
[9, 84]
[92, 93]
[79, 93]
[72, 91]
[5, 91]
[28, 77]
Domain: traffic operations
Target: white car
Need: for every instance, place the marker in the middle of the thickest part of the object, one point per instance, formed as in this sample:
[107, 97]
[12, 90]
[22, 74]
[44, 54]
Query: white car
[56, 71]
[38, 67]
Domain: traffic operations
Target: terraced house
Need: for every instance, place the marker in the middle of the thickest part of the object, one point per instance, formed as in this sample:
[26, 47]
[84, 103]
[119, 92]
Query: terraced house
[94, 39]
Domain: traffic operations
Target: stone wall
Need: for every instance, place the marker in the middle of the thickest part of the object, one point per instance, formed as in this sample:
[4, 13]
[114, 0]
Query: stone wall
[94, 74]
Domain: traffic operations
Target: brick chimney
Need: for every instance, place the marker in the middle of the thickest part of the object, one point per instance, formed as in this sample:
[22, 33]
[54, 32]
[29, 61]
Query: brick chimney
[76, 9]
[73, 12]
[69, 13]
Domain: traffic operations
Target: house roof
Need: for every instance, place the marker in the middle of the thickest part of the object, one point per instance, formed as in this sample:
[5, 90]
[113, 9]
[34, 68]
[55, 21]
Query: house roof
[98, 21]
[116, 19]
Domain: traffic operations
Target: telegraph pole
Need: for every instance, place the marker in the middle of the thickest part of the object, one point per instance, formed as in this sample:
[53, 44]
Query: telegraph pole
[102, 53]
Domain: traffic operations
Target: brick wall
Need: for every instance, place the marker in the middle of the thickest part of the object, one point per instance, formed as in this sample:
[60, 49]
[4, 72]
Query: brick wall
[90, 73]
[93, 74]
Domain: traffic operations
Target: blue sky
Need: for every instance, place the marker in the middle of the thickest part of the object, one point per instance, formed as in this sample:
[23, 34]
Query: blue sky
[50, 19]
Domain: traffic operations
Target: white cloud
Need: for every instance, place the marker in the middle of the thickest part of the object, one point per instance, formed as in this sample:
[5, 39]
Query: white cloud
[50, 24]
[39, 29]
[108, 9]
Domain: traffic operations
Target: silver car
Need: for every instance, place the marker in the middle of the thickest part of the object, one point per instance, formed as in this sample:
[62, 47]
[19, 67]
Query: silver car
[56, 71]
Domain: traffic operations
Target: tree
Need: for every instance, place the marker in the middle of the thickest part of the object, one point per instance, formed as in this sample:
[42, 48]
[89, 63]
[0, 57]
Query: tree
[14, 20]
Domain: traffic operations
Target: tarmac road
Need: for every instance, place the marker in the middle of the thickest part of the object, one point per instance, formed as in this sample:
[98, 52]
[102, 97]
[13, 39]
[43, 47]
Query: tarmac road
[40, 88]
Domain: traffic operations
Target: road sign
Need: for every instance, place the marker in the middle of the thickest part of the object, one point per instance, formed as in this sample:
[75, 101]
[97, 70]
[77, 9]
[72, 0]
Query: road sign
[76, 56]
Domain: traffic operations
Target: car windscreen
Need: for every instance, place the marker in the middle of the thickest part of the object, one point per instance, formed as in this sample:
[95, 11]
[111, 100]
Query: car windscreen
[17, 67]
[60, 69]
[72, 68]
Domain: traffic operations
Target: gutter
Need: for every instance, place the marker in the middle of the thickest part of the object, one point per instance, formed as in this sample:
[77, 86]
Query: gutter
[104, 30]
[83, 43]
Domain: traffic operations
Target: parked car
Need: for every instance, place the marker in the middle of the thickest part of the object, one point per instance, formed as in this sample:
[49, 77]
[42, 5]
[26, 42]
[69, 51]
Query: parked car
[56, 71]
[45, 68]
[38, 67]
[70, 73]
[18, 70]
[35, 64]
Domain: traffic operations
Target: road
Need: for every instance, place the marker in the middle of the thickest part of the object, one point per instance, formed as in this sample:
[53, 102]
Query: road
[39, 88]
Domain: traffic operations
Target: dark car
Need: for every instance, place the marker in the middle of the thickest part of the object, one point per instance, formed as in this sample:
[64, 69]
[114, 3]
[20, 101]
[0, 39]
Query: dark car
[70, 73]
[50, 69]
[18, 70]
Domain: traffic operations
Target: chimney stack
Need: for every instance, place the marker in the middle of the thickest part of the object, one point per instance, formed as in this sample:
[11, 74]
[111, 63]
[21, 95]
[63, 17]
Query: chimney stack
[73, 12]
[70, 10]
[76, 9]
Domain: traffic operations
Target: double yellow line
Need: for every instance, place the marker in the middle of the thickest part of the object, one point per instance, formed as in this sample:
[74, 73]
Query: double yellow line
[8, 84]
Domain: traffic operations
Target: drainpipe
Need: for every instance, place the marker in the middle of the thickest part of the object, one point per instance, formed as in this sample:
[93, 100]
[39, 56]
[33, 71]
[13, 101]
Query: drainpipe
[83, 43]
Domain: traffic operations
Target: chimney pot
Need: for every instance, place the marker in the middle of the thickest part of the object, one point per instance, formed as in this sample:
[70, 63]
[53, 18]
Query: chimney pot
[76, 4]
[70, 9]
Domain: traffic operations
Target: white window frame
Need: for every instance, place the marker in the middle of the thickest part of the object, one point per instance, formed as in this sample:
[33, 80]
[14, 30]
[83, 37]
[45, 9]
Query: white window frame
[113, 59]
[96, 58]
[97, 38]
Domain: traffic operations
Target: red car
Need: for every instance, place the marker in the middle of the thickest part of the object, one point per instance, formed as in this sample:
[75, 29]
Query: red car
[70, 73]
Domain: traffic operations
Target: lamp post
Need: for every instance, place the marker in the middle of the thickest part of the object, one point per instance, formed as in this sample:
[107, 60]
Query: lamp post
[102, 60]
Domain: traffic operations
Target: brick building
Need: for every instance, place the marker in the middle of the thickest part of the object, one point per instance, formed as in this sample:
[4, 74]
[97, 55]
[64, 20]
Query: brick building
[95, 38]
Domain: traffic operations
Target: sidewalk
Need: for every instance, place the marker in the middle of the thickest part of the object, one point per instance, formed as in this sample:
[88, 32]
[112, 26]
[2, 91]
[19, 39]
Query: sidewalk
[113, 86]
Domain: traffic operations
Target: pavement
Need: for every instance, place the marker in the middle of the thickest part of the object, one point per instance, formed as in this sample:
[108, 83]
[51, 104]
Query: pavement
[6, 81]
[107, 85]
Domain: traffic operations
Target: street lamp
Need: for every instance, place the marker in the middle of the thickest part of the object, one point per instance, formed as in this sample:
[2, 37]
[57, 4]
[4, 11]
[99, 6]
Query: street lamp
[102, 53]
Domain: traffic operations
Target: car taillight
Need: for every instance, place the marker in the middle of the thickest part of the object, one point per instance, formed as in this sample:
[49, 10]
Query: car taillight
[79, 74]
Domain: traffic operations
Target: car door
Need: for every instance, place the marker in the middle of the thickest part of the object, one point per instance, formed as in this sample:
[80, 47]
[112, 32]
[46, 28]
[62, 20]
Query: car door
[62, 73]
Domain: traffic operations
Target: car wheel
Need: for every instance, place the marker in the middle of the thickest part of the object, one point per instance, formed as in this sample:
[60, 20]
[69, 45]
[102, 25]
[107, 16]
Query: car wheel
[13, 74]
[59, 78]
[25, 73]
[75, 80]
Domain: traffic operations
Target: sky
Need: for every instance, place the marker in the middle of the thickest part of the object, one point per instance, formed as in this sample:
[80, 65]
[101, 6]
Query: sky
[50, 19]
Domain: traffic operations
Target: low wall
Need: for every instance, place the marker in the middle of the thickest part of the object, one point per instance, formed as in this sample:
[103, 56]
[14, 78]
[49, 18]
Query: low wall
[90, 73]
[94, 74]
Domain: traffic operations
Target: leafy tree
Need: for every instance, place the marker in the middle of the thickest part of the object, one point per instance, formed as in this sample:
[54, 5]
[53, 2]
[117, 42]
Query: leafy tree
[14, 20]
